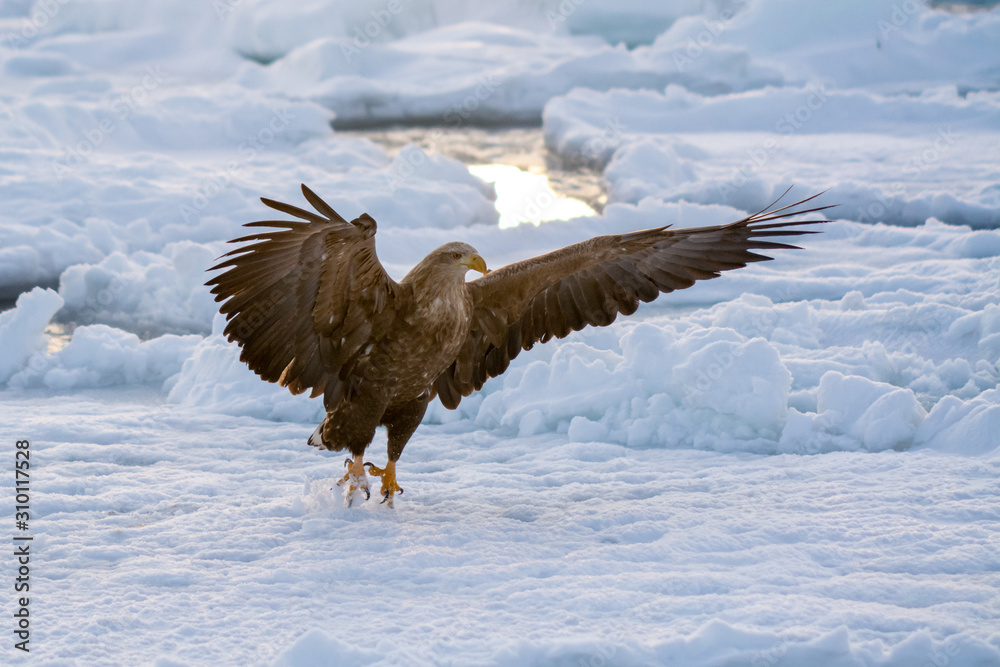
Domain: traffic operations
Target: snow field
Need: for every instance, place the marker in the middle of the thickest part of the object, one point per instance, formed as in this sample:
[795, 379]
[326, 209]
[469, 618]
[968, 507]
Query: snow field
[165, 546]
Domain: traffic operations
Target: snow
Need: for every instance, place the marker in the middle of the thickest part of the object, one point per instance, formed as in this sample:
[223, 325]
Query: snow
[794, 463]
[22, 328]
[667, 145]
[179, 537]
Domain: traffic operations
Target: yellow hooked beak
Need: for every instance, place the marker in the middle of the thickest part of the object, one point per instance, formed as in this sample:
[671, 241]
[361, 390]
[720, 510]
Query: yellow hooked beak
[474, 262]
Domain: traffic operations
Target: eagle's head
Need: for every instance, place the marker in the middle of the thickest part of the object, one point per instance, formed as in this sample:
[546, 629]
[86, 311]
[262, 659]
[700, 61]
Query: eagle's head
[456, 259]
[445, 267]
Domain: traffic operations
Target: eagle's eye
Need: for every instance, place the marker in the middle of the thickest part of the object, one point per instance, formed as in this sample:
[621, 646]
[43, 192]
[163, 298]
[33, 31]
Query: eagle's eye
[456, 255]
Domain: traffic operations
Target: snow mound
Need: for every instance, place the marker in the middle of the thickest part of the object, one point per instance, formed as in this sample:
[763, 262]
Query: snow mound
[213, 378]
[101, 356]
[22, 328]
[145, 292]
[884, 44]
[743, 647]
[493, 75]
[876, 415]
[655, 145]
[317, 649]
[968, 427]
[267, 31]
[191, 163]
[709, 389]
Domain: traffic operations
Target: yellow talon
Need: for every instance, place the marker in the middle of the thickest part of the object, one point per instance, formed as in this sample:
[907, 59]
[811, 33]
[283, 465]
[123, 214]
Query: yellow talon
[389, 485]
[355, 479]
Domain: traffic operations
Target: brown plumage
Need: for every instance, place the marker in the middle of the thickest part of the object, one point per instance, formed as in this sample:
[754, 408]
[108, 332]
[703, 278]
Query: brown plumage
[313, 309]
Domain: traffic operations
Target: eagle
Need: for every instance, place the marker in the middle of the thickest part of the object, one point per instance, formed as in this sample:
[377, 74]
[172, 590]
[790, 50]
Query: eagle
[314, 310]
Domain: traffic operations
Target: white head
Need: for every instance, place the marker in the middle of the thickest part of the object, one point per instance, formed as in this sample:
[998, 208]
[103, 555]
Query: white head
[448, 263]
[458, 257]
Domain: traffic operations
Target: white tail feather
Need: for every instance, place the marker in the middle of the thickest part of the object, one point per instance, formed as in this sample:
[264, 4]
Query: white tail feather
[316, 439]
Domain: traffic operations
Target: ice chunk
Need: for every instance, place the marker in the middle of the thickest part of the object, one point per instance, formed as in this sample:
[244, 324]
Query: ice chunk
[22, 330]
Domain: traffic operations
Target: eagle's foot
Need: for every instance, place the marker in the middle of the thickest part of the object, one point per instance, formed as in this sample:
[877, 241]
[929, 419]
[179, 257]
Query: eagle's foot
[389, 485]
[355, 479]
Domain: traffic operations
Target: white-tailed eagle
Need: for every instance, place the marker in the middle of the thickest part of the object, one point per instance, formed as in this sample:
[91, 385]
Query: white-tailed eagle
[314, 310]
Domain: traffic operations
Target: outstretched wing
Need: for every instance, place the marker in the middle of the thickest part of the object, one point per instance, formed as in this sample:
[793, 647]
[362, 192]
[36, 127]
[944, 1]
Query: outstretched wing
[589, 283]
[304, 300]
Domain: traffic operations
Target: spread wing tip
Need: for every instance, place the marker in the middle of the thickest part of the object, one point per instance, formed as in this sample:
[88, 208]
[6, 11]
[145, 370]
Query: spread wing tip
[320, 205]
[771, 213]
[325, 212]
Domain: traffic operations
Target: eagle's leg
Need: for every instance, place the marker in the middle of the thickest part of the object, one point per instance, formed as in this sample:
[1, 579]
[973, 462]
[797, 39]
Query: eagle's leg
[350, 425]
[355, 479]
[389, 485]
[400, 420]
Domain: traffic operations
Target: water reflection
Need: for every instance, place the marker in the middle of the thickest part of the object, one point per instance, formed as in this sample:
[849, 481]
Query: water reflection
[532, 184]
[59, 334]
[523, 196]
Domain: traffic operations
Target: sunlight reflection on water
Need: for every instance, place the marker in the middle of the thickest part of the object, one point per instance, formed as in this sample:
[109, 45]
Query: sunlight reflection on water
[523, 196]
[531, 184]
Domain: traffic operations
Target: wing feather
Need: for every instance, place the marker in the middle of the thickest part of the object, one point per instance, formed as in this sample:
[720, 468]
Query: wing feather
[302, 301]
[590, 283]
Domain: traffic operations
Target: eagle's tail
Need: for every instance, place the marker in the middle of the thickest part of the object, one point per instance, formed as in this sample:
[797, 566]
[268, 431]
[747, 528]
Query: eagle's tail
[320, 437]
[316, 439]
